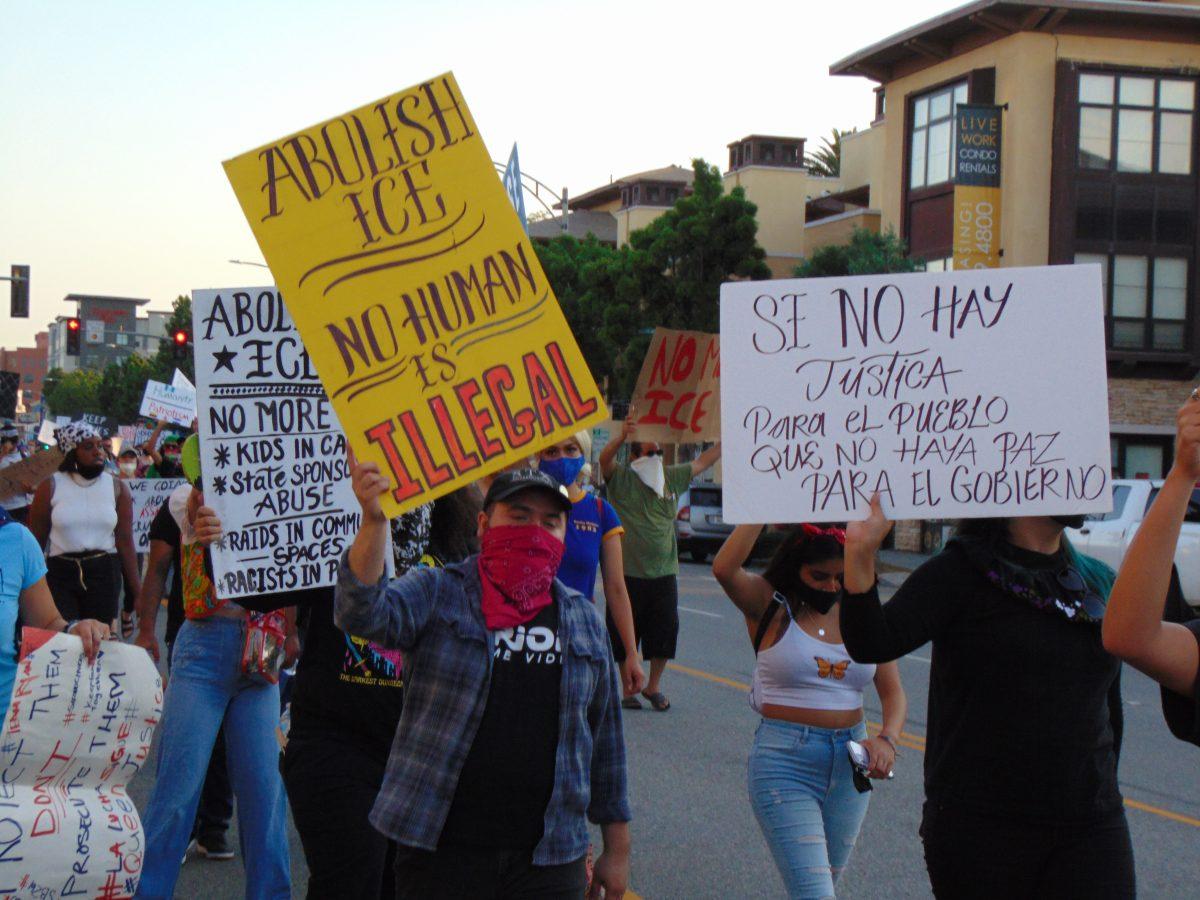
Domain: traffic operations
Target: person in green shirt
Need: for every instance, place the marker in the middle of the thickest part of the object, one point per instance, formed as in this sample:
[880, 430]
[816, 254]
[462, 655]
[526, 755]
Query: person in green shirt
[645, 495]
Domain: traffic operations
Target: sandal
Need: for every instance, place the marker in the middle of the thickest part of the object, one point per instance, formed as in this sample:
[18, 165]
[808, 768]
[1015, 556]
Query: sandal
[658, 701]
[126, 625]
[631, 703]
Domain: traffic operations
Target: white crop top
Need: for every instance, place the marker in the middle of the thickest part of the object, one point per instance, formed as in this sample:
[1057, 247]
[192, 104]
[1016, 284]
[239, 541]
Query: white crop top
[804, 672]
[83, 514]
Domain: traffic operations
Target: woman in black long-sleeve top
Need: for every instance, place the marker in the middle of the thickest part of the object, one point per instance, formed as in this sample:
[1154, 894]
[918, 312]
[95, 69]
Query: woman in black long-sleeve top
[1024, 721]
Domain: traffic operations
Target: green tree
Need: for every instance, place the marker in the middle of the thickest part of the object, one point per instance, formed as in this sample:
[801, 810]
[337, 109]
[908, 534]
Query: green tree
[868, 253]
[827, 161]
[72, 393]
[163, 362]
[123, 384]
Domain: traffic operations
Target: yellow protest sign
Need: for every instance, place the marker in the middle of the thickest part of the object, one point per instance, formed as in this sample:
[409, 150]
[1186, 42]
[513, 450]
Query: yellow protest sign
[417, 294]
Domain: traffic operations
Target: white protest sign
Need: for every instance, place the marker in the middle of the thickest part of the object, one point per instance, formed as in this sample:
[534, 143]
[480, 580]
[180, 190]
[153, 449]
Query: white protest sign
[45, 434]
[149, 494]
[169, 403]
[956, 394]
[272, 454]
[180, 380]
[74, 736]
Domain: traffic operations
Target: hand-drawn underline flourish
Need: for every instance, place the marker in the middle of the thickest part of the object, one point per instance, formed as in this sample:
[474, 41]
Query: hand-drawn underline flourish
[388, 249]
[487, 337]
[407, 262]
[496, 323]
[370, 376]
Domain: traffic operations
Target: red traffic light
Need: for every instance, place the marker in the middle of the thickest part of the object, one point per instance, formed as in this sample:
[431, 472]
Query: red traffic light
[73, 324]
[181, 337]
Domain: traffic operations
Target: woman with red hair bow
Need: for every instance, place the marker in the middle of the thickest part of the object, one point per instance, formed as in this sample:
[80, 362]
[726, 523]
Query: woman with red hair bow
[809, 693]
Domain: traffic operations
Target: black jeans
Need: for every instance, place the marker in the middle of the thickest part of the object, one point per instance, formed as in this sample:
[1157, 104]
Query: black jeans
[85, 588]
[976, 856]
[331, 786]
[451, 873]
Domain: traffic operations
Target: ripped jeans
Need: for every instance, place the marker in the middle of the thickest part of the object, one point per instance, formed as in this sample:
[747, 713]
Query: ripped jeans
[804, 798]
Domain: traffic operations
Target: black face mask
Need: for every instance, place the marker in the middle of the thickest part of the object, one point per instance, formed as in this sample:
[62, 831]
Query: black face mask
[89, 471]
[1075, 521]
[821, 601]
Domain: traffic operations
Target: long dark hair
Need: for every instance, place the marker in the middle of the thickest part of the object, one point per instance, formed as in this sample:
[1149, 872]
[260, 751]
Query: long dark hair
[798, 549]
[993, 531]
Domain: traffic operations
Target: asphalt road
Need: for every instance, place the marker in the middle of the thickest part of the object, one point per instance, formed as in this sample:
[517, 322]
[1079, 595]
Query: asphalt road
[695, 835]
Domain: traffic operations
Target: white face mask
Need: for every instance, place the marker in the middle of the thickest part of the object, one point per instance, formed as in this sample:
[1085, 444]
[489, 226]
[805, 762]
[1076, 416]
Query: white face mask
[128, 468]
[650, 470]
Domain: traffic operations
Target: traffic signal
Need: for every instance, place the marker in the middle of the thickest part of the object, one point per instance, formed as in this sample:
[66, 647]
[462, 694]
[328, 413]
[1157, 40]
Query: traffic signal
[182, 343]
[19, 292]
[73, 328]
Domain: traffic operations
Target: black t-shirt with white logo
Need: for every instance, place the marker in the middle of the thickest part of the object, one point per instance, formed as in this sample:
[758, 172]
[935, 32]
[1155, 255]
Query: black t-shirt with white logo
[506, 782]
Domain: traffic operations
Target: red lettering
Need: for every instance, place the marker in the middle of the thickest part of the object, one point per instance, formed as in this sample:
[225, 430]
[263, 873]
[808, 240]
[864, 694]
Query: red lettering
[579, 407]
[518, 427]
[406, 487]
[712, 353]
[434, 473]
[545, 395]
[44, 823]
[699, 412]
[659, 369]
[684, 398]
[480, 420]
[654, 417]
[463, 461]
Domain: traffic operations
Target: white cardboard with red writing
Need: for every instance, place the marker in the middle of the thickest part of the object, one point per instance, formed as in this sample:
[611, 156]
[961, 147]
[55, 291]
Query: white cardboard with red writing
[74, 736]
[1019, 428]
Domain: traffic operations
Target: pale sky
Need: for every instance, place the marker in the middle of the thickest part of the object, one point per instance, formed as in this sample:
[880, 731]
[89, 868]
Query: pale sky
[117, 115]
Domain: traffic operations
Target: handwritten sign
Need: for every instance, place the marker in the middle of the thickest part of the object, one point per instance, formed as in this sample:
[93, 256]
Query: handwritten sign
[955, 394]
[23, 477]
[677, 396]
[416, 291]
[74, 735]
[149, 494]
[169, 403]
[272, 453]
[135, 435]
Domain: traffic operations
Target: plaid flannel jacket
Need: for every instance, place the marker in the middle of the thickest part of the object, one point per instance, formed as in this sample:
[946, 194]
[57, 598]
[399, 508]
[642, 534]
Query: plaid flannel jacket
[434, 617]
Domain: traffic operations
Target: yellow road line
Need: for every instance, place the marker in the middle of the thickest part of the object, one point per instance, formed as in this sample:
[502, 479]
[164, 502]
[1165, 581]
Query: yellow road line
[916, 742]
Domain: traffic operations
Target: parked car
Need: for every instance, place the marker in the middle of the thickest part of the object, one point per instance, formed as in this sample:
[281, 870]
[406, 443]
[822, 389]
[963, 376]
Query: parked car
[700, 528]
[1107, 536]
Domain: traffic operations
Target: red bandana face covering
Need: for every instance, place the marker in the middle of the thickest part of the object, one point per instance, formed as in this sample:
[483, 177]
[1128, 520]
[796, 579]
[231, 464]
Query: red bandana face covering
[517, 564]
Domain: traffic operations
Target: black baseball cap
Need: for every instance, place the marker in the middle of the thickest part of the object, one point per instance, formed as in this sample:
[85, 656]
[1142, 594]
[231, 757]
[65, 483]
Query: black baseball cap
[508, 484]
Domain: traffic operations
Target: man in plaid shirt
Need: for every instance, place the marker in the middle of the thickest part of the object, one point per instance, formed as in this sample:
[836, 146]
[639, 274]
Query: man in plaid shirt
[510, 738]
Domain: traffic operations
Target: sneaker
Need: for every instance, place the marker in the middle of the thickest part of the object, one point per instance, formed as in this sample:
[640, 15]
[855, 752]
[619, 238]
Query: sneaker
[214, 846]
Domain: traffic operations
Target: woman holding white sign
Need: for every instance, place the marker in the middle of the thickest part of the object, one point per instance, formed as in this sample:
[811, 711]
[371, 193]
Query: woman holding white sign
[1134, 629]
[809, 693]
[1024, 723]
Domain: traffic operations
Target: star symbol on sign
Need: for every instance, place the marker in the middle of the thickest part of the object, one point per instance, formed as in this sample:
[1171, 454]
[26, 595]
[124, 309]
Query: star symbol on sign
[222, 456]
[219, 485]
[224, 358]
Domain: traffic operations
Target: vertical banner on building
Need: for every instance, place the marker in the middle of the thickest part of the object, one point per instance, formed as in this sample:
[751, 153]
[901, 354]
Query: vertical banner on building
[512, 186]
[417, 293]
[977, 187]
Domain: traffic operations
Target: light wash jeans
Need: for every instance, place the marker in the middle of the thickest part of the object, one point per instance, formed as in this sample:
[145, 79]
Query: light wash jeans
[207, 686]
[803, 795]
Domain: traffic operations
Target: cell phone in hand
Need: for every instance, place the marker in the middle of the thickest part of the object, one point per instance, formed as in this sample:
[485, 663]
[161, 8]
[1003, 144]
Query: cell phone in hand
[860, 766]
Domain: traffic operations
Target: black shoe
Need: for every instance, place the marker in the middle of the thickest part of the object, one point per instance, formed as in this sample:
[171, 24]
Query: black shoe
[214, 846]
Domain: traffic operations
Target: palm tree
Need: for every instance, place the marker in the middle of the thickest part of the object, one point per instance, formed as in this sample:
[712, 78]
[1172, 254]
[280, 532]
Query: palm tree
[828, 160]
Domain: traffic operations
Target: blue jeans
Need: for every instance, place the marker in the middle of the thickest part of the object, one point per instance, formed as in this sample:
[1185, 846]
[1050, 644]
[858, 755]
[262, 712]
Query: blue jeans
[803, 795]
[207, 686]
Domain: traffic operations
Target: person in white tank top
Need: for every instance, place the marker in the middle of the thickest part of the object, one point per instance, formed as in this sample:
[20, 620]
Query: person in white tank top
[809, 693]
[83, 516]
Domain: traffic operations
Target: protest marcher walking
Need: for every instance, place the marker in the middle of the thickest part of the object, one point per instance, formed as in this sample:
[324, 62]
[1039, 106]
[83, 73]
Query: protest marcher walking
[810, 696]
[511, 728]
[1133, 627]
[211, 683]
[1025, 721]
[646, 496]
[84, 517]
[594, 540]
[17, 506]
[165, 458]
[164, 563]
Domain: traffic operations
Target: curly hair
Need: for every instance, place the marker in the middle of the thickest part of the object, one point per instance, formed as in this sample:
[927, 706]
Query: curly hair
[798, 549]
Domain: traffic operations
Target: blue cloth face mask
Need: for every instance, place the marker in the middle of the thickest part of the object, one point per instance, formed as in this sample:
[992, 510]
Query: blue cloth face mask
[564, 470]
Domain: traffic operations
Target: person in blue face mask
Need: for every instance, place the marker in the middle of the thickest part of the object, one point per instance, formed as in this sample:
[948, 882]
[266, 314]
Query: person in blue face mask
[594, 539]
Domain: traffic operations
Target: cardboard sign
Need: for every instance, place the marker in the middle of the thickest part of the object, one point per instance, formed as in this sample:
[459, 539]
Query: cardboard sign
[74, 736]
[169, 403]
[416, 291]
[677, 397]
[23, 477]
[272, 454]
[149, 494]
[950, 394]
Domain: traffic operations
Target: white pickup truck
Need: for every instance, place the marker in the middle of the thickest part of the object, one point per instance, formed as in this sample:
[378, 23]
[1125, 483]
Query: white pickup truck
[1107, 536]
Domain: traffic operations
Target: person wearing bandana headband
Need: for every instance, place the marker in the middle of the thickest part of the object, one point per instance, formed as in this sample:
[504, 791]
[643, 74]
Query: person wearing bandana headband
[488, 798]
[645, 495]
[594, 540]
[810, 696]
[1025, 719]
[1148, 583]
[84, 518]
